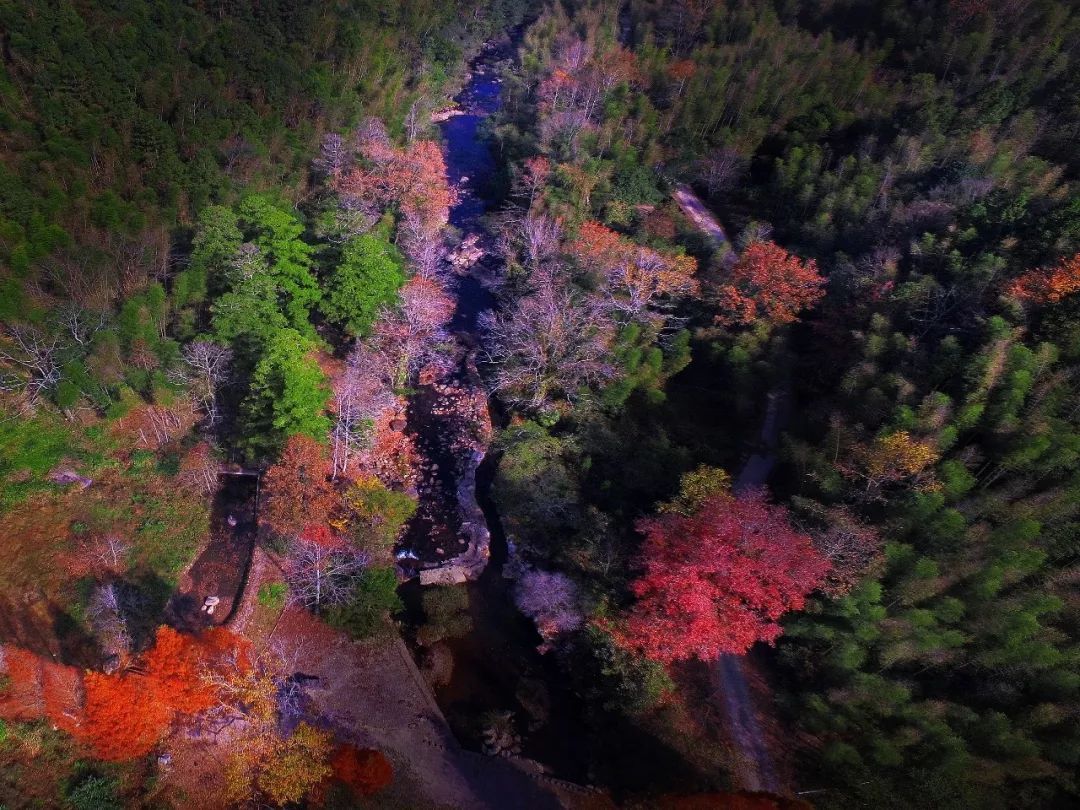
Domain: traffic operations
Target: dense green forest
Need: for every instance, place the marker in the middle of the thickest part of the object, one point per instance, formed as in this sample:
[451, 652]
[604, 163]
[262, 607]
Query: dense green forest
[924, 156]
[840, 436]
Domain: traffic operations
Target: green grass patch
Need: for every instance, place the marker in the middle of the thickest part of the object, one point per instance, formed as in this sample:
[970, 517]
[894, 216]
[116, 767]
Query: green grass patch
[272, 595]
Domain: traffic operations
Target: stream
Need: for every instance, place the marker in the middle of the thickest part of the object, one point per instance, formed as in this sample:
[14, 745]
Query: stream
[498, 676]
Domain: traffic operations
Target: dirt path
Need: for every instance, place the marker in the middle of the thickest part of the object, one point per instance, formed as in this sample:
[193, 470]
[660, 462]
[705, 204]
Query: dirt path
[372, 694]
[220, 570]
[742, 708]
[701, 216]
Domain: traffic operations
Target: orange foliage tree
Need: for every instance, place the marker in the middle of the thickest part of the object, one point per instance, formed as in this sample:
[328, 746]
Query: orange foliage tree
[298, 489]
[122, 716]
[177, 661]
[125, 716]
[637, 277]
[364, 771]
[1048, 285]
[768, 283]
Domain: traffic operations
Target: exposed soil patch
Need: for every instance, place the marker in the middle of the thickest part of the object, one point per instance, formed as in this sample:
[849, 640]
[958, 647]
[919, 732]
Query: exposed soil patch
[222, 567]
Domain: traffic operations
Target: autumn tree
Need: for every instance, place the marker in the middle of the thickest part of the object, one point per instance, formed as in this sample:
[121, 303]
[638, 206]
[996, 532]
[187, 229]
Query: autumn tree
[177, 660]
[21, 697]
[636, 278]
[377, 515]
[892, 459]
[718, 580]
[294, 765]
[63, 695]
[534, 176]
[125, 715]
[265, 762]
[297, 488]
[768, 283]
[362, 397]
[364, 771]
[415, 332]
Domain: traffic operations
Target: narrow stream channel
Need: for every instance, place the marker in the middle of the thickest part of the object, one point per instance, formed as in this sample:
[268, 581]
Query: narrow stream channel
[497, 669]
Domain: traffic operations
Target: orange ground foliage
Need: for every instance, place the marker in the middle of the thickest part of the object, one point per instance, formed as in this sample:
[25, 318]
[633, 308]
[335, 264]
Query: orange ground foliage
[122, 716]
[62, 692]
[21, 698]
[365, 771]
[1048, 285]
[125, 716]
[177, 660]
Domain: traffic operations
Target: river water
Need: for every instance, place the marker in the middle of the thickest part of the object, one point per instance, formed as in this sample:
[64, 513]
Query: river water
[497, 669]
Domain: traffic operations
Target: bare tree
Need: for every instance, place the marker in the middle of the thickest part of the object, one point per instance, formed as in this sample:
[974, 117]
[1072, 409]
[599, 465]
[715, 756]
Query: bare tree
[112, 551]
[852, 547]
[542, 237]
[362, 396]
[424, 248]
[414, 119]
[81, 323]
[206, 368]
[548, 345]
[334, 157]
[106, 614]
[34, 357]
[320, 576]
[550, 599]
[720, 169]
[416, 333]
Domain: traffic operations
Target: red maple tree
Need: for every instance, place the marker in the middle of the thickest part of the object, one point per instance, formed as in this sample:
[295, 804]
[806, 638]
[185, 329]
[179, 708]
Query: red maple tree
[768, 283]
[717, 580]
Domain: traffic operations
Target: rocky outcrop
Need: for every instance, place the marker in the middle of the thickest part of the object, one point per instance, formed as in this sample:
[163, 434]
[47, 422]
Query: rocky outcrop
[467, 253]
[470, 563]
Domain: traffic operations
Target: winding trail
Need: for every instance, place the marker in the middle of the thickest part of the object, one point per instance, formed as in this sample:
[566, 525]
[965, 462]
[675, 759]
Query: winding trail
[756, 769]
[699, 214]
